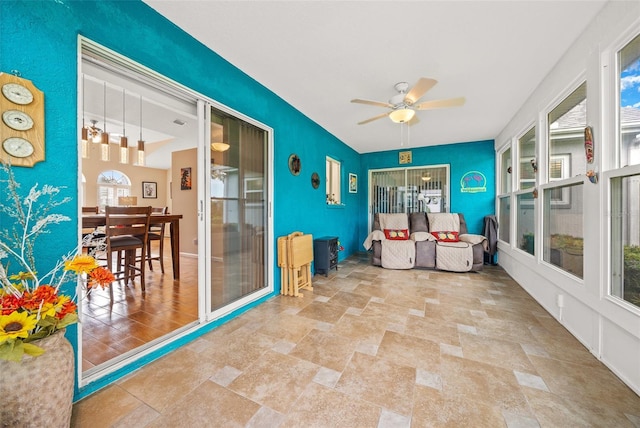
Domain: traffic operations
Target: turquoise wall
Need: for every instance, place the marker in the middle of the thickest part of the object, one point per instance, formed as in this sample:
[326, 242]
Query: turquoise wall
[461, 158]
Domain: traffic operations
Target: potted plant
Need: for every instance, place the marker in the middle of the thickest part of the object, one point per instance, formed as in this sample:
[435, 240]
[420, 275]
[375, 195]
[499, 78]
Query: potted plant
[33, 311]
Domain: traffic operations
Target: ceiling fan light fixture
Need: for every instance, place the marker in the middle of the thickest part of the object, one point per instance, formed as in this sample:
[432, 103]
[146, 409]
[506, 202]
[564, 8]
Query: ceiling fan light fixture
[220, 147]
[402, 115]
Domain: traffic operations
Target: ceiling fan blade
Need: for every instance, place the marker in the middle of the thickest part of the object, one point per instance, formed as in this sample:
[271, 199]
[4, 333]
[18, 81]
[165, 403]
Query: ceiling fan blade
[450, 102]
[419, 89]
[380, 116]
[372, 103]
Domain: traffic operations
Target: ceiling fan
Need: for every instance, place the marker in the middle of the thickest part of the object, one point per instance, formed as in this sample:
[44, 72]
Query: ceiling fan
[403, 105]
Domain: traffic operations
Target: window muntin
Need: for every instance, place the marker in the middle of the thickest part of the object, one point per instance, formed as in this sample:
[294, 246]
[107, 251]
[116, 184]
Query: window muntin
[111, 185]
[566, 123]
[333, 181]
[525, 222]
[629, 103]
[563, 232]
[625, 238]
[527, 160]
[504, 219]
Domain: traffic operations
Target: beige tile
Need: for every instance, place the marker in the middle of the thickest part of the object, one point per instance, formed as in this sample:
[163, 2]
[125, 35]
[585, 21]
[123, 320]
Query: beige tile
[275, 380]
[169, 379]
[432, 409]
[351, 300]
[287, 327]
[410, 351]
[240, 348]
[325, 349]
[360, 329]
[464, 379]
[433, 329]
[326, 312]
[104, 408]
[379, 381]
[586, 384]
[319, 406]
[208, 405]
[500, 353]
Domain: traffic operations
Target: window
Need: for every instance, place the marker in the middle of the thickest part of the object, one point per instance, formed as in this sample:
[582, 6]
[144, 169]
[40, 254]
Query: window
[505, 218]
[566, 123]
[526, 222]
[333, 181]
[563, 231]
[505, 171]
[629, 126]
[407, 190]
[111, 185]
[527, 165]
[625, 238]
[624, 183]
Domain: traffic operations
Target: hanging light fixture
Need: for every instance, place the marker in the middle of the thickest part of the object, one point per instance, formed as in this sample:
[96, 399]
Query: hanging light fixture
[124, 142]
[106, 155]
[85, 131]
[141, 141]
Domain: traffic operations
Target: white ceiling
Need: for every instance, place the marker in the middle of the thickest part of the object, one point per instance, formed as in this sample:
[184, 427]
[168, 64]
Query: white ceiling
[318, 55]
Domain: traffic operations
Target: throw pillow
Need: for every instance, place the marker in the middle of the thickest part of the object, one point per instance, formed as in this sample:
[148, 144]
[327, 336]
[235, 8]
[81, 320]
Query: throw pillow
[397, 234]
[445, 236]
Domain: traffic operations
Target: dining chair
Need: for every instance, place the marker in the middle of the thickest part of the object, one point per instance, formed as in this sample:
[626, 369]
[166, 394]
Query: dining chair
[92, 237]
[126, 229]
[156, 233]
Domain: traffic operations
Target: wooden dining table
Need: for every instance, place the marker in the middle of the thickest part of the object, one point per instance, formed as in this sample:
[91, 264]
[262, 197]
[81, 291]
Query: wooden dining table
[91, 221]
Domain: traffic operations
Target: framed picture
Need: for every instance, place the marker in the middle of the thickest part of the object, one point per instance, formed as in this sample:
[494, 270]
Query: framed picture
[149, 189]
[353, 183]
[185, 178]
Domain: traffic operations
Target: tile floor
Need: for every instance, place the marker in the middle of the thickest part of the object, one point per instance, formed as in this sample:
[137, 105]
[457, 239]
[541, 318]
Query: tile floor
[371, 347]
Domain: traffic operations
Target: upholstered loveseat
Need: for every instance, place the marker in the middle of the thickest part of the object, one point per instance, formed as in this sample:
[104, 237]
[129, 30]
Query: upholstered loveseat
[428, 234]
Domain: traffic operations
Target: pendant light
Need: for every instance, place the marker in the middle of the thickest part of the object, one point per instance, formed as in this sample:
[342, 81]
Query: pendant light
[85, 131]
[141, 141]
[124, 143]
[105, 150]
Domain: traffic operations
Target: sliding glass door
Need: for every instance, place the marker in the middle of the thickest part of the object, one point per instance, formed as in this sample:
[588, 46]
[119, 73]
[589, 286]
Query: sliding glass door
[238, 203]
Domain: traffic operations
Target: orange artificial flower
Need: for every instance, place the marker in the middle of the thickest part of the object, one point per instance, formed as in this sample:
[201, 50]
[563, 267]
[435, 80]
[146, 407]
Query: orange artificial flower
[100, 276]
[10, 303]
[68, 307]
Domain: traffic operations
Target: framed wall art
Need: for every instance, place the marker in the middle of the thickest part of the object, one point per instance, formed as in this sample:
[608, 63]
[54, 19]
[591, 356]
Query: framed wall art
[185, 178]
[149, 189]
[353, 183]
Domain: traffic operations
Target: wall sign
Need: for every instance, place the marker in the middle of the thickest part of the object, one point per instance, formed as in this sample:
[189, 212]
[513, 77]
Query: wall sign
[404, 157]
[473, 182]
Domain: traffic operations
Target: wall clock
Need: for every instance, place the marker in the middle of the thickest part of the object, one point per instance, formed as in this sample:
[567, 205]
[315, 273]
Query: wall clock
[22, 125]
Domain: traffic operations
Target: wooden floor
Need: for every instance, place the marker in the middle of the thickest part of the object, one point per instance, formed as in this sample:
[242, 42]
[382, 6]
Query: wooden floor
[134, 318]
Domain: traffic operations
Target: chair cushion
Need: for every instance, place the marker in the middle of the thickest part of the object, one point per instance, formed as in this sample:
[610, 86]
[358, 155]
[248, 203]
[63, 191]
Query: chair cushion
[125, 241]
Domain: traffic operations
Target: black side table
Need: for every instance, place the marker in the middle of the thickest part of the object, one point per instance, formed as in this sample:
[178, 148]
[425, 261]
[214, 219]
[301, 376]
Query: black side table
[325, 254]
